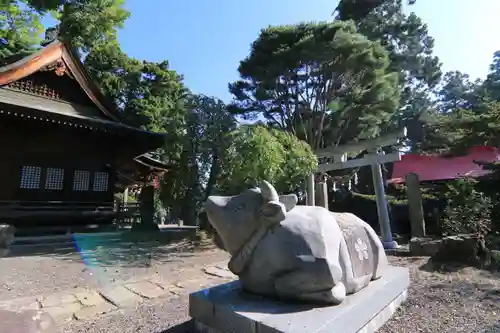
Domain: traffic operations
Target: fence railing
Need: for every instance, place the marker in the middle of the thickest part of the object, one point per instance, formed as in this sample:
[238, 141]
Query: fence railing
[122, 213]
[129, 213]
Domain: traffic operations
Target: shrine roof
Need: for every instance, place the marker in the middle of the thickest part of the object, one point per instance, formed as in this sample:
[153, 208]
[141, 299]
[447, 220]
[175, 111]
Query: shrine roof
[436, 168]
[60, 61]
[61, 56]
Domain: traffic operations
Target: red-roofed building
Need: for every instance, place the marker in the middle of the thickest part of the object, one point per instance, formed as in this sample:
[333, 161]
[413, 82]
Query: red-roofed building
[436, 168]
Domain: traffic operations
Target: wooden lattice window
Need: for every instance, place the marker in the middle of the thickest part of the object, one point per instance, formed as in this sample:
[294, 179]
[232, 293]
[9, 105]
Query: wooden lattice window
[30, 177]
[54, 179]
[81, 180]
[100, 183]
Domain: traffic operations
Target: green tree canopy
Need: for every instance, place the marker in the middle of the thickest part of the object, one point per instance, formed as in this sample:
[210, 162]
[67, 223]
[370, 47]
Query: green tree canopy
[20, 28]
[83, 23]
[87, 24]
[204, 142]
[258, 152]
[359, 9]
[323, 82]
[456, 92]
[479, 127]
[149, 94]
[406, 38]
[492, 82]
[468, 113]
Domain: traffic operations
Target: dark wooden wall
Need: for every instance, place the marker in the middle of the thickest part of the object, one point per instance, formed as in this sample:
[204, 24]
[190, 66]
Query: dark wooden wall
[48, 145]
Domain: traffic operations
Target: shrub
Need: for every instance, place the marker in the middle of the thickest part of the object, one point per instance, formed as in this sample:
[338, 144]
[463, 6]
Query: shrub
[364, 206]
[257, 153]
[490, 184]
[467, 210]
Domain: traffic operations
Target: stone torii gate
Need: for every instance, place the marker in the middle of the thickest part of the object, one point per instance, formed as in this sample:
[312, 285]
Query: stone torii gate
[335, 158]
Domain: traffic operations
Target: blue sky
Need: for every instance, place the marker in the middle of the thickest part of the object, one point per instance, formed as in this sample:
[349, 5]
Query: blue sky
[205, 40]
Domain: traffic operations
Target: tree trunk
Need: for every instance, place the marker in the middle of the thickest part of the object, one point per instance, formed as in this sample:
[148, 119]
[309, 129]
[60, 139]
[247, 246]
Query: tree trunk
[189, 207]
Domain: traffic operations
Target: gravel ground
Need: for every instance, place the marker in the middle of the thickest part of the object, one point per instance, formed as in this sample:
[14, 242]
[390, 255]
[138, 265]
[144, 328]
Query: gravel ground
[449, 299]
[26, 276]
[460, 300]
[161, 315]
[440, 300]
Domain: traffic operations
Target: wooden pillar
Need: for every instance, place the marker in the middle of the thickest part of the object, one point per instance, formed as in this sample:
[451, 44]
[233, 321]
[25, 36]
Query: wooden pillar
[382, 210]
[322, 193]
[415, 208]
[310, 192]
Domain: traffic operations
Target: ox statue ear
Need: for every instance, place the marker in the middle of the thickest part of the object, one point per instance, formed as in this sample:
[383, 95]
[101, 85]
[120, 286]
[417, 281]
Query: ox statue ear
[268, 191]
[272, 212]
[289, 200]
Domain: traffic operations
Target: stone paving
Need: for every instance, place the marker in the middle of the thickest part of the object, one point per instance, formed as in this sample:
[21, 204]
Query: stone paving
[84, 304]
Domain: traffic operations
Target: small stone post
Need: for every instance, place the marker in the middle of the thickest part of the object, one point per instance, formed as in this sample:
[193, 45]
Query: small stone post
[322, 193]
[416, 211]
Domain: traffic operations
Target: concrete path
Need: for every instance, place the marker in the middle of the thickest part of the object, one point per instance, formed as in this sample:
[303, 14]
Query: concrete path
[84, 304]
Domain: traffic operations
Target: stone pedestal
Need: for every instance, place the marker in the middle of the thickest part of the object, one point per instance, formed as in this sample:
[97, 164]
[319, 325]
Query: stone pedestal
[227, 309]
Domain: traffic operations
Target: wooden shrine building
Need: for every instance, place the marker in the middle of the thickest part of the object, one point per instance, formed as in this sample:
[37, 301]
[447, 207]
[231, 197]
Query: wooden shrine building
[63, 143]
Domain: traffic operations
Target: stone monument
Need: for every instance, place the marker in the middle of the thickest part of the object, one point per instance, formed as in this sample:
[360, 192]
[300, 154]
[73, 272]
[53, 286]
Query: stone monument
[415, 208]
[295, 259]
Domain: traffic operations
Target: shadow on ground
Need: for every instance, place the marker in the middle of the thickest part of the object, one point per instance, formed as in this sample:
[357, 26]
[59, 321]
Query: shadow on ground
[450, 267]
[140, 254]
[436, 267]
[123, 251]
[185, 327]
[488, 294]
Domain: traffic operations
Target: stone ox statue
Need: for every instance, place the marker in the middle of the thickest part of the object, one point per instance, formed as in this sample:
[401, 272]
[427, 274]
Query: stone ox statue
[304, 253]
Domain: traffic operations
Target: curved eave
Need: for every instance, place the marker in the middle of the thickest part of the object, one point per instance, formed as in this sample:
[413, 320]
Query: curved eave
[152, 163]
[53, 52]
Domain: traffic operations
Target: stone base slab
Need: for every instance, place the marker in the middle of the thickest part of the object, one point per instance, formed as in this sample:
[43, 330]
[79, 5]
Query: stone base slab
[227, 309]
